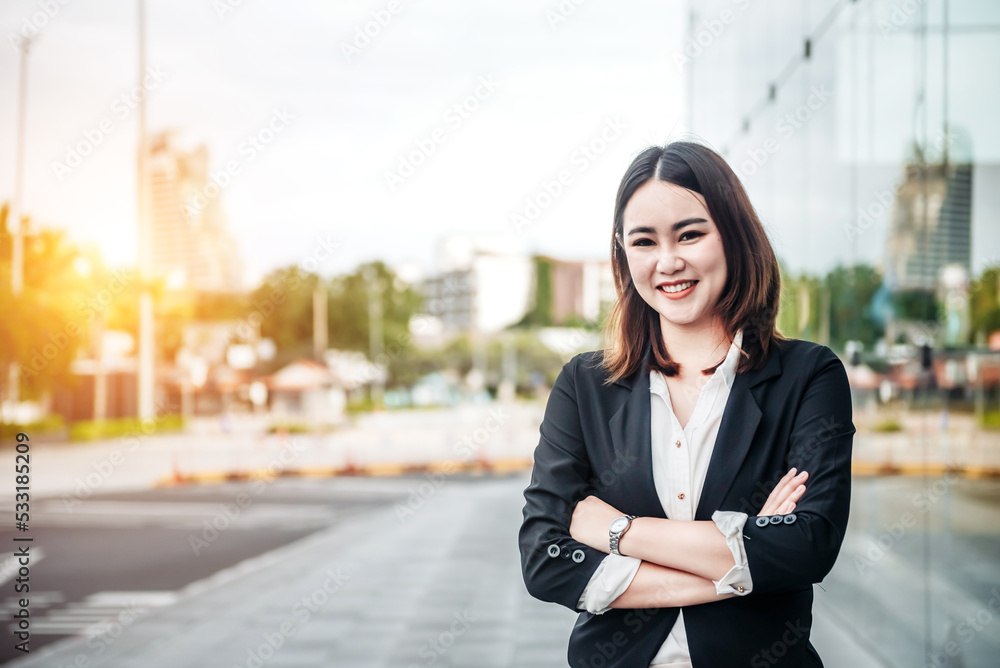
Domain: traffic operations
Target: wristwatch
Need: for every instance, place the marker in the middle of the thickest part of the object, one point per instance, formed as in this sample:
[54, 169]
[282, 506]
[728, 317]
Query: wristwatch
[619, 526]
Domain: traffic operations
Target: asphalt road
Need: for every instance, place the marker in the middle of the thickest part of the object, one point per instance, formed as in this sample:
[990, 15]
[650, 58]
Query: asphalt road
[921, 560]
[110, 559]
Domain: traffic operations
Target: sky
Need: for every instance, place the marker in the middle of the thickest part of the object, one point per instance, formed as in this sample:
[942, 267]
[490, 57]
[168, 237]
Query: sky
[531, 90]
[514, 119]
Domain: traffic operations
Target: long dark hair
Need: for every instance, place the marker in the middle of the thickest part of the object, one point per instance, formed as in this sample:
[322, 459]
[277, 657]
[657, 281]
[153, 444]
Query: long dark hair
[750, 296]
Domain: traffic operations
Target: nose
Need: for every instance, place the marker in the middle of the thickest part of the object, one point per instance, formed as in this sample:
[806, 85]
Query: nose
[669, 261]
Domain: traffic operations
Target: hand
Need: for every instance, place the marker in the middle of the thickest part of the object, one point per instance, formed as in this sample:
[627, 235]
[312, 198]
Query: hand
[591, 523]
[785, 494]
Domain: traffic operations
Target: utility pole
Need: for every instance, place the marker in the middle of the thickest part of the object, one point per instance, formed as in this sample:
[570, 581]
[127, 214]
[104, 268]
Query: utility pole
[375, 337]
[146, 370]
[14, 219]
[320, 333]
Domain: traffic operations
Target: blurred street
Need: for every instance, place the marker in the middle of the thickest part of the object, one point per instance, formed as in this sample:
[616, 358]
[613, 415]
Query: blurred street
[362, 587]
[417, 568]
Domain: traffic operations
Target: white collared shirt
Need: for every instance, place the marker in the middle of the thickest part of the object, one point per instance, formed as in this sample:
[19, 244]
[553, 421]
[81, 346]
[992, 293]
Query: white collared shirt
[680, 460]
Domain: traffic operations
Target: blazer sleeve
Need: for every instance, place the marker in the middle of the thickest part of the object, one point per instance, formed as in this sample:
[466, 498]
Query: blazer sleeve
[556, 568]
[800, 548]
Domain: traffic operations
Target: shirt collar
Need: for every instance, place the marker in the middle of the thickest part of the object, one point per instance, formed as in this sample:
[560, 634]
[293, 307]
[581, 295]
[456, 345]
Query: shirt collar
[728, 368]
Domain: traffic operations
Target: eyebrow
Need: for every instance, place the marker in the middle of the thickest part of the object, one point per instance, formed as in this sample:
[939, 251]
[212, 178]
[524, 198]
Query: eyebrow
[676, 226]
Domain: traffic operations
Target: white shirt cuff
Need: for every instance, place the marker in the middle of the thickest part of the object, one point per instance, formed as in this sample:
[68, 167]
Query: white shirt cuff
[613, 576]
[737, 580]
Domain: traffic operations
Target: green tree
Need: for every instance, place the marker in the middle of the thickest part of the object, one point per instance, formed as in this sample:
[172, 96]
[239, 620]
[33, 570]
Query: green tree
[984, 303]
[46, 324]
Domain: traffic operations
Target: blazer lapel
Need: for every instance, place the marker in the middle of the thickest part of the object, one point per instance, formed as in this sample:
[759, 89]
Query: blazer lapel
[739, 423]
[630, 435]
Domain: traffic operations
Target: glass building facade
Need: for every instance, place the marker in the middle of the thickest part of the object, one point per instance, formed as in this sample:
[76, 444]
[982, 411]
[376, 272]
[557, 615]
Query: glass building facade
[866, 133]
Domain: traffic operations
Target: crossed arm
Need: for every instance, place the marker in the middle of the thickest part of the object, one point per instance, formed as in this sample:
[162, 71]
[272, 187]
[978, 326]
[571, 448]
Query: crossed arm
[680, 559]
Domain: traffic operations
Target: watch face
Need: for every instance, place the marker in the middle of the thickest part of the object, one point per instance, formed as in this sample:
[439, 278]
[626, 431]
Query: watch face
[619, 524]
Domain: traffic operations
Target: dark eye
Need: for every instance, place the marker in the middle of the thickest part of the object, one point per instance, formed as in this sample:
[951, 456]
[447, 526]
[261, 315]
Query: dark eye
[638, 242]
[696, 235]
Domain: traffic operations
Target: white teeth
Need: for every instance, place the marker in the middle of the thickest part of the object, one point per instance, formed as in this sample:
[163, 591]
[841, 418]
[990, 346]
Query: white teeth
[677, 288]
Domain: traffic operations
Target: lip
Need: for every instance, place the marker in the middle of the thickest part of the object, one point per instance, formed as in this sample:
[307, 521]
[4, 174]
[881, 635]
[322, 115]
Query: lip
[677, 295]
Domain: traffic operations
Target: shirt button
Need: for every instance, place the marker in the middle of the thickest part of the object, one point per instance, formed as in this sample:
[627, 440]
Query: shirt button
[681, 496]
[678, 444]
[739, 588]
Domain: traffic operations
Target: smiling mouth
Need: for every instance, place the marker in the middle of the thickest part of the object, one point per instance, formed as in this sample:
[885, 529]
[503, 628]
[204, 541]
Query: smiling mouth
[680, 287]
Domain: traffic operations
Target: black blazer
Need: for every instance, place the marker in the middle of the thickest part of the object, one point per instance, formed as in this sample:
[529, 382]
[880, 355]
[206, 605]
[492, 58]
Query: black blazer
[595, 439]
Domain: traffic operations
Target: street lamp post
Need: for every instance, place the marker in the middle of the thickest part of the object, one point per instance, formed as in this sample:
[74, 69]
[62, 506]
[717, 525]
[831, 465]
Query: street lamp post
[146, 370]
[14, 219]
[375, 336]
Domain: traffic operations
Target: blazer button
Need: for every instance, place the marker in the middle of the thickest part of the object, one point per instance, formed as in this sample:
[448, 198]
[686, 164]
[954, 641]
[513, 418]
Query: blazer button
[761, 522]
[565, 553]
[554, 550]
[790, 518]
[578, 556]
[775, 519]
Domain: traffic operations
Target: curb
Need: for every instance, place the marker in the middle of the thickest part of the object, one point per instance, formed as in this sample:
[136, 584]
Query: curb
[390, 469]
[382, 469]
[873, 469]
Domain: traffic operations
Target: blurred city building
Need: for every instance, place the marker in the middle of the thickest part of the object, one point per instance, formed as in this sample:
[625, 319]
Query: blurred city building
[866, 121]
[580, 290]
[485, 284]
[862, 119]
[921, 243]
[192, 247]
[307, 391]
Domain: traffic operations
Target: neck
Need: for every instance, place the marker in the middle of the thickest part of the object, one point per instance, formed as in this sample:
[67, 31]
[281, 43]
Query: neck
[695, 347]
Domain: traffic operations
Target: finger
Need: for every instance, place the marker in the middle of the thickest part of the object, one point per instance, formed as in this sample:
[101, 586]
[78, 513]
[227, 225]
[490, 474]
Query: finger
[789, 504]
[792, 484]
[785, 481]
[781, 490]
[797, 494]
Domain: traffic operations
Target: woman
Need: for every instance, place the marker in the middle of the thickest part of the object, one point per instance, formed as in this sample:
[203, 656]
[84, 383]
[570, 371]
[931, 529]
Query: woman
[670, 463]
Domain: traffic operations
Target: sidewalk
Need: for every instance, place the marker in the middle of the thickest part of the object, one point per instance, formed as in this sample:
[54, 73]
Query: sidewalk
[491, 437]
[441, 586]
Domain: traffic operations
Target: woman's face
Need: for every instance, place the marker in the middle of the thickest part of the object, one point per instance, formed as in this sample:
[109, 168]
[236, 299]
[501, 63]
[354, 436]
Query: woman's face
[670, 240]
